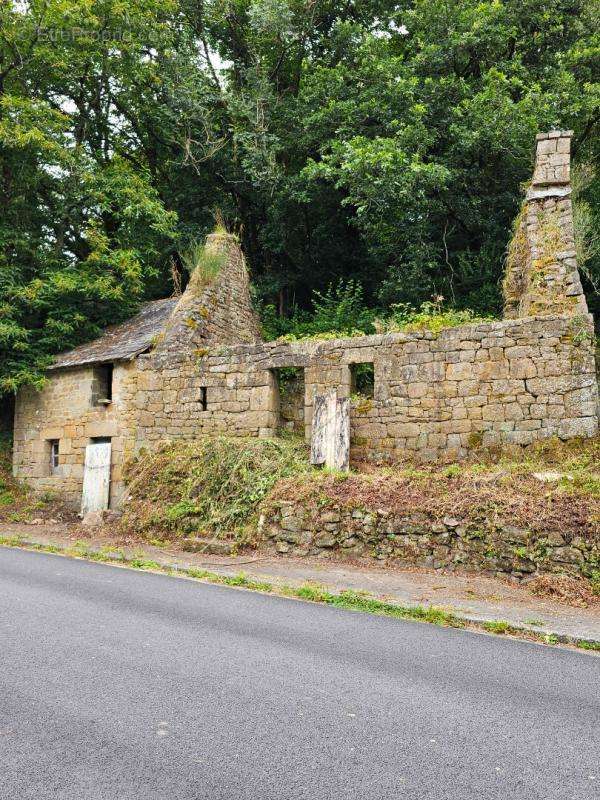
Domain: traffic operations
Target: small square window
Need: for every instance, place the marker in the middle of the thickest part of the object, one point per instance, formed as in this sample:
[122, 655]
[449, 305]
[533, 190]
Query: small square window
[54, 445]
[362, 379]
[203, 398]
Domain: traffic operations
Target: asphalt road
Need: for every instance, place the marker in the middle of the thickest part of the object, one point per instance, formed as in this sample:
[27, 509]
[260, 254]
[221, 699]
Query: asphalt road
[121, 684]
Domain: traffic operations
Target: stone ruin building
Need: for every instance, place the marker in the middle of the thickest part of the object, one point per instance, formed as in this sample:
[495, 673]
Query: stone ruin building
[197, 365]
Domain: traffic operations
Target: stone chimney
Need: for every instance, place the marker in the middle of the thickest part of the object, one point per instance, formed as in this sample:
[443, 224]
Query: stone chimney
[541, 272]
[216, 309]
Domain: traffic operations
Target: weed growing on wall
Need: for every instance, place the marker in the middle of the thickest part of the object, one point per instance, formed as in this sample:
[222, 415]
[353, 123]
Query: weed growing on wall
[203, 265]
[515, 265]
[431, 316]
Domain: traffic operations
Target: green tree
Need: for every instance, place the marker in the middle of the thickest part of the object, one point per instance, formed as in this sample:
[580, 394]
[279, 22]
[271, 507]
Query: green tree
[372, 142]
[83, 228]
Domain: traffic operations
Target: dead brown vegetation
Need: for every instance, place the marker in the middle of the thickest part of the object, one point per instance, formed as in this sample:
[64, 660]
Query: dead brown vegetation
[492, 499]
[576, 592]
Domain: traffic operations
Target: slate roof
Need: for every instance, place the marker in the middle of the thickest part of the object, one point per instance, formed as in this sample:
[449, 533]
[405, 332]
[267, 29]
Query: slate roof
[121, 342]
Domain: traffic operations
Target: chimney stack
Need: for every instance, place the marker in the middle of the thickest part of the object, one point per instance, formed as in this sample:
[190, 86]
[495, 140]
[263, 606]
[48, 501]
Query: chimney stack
[541, 272]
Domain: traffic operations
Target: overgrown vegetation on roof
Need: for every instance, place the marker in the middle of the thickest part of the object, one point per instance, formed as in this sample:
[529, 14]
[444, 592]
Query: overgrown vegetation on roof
[431, 316]
[202, 264]
[341, 312]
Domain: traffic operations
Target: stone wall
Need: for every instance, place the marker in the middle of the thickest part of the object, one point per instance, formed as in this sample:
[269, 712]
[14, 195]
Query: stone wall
[509, 382]
[63, 410]
[451, 545]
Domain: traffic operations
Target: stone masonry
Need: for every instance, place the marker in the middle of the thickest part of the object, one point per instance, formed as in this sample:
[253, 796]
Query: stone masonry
[197, 365]
[447, 544]
[63, 412]
[435, 396]
[542, 276]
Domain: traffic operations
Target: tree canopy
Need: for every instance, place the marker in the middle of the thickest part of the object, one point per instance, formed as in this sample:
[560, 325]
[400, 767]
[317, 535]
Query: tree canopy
[380, 144]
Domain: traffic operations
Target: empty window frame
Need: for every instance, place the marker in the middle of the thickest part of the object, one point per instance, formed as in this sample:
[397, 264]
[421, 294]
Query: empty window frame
[53, 455]
[362, 379]
[203, 398]
[102, 385]
[290, 382]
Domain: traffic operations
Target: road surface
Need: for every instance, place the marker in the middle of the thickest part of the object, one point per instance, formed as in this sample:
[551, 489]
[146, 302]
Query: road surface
[117, 684]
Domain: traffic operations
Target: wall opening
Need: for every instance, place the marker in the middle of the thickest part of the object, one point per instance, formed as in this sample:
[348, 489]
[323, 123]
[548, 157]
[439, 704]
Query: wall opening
[362, 379]
[291, 384]
[102, 385]
[7, 414]
[203, 398]
[53, 455]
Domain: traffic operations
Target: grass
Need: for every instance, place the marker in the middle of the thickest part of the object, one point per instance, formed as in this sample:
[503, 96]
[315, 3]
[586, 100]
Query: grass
[585, 645]
[209, 487]
[203, 265]
[498, 626]
[346, 599]
[431, 316]
[578, 460]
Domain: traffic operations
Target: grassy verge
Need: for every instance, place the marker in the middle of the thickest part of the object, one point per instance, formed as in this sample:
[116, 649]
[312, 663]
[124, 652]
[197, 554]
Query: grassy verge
[346, 599]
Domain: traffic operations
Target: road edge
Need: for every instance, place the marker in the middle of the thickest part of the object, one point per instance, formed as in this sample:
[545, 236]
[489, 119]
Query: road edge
[348, 600]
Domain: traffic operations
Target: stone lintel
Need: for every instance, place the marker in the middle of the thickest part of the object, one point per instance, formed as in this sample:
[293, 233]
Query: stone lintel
[550, 191]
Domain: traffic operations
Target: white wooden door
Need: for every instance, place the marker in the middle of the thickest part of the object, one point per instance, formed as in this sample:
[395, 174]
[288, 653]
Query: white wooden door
[330, 435]
[96, 477]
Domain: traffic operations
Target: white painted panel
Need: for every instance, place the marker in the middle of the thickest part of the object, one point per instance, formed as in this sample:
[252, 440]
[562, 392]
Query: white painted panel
[96, 477]
[330, 435]
[318, 439]
[341, 450]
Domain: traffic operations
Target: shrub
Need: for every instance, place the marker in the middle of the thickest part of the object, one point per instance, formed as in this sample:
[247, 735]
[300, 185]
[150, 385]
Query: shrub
[431, 316]
[339, 311]
[209, 486]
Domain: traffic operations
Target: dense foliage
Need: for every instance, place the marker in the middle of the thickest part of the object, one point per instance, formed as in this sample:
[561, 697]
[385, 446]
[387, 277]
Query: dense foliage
[211, 487]
[377, 142]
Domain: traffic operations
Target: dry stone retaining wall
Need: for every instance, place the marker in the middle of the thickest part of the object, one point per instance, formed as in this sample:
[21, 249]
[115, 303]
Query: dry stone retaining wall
[293, 529]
